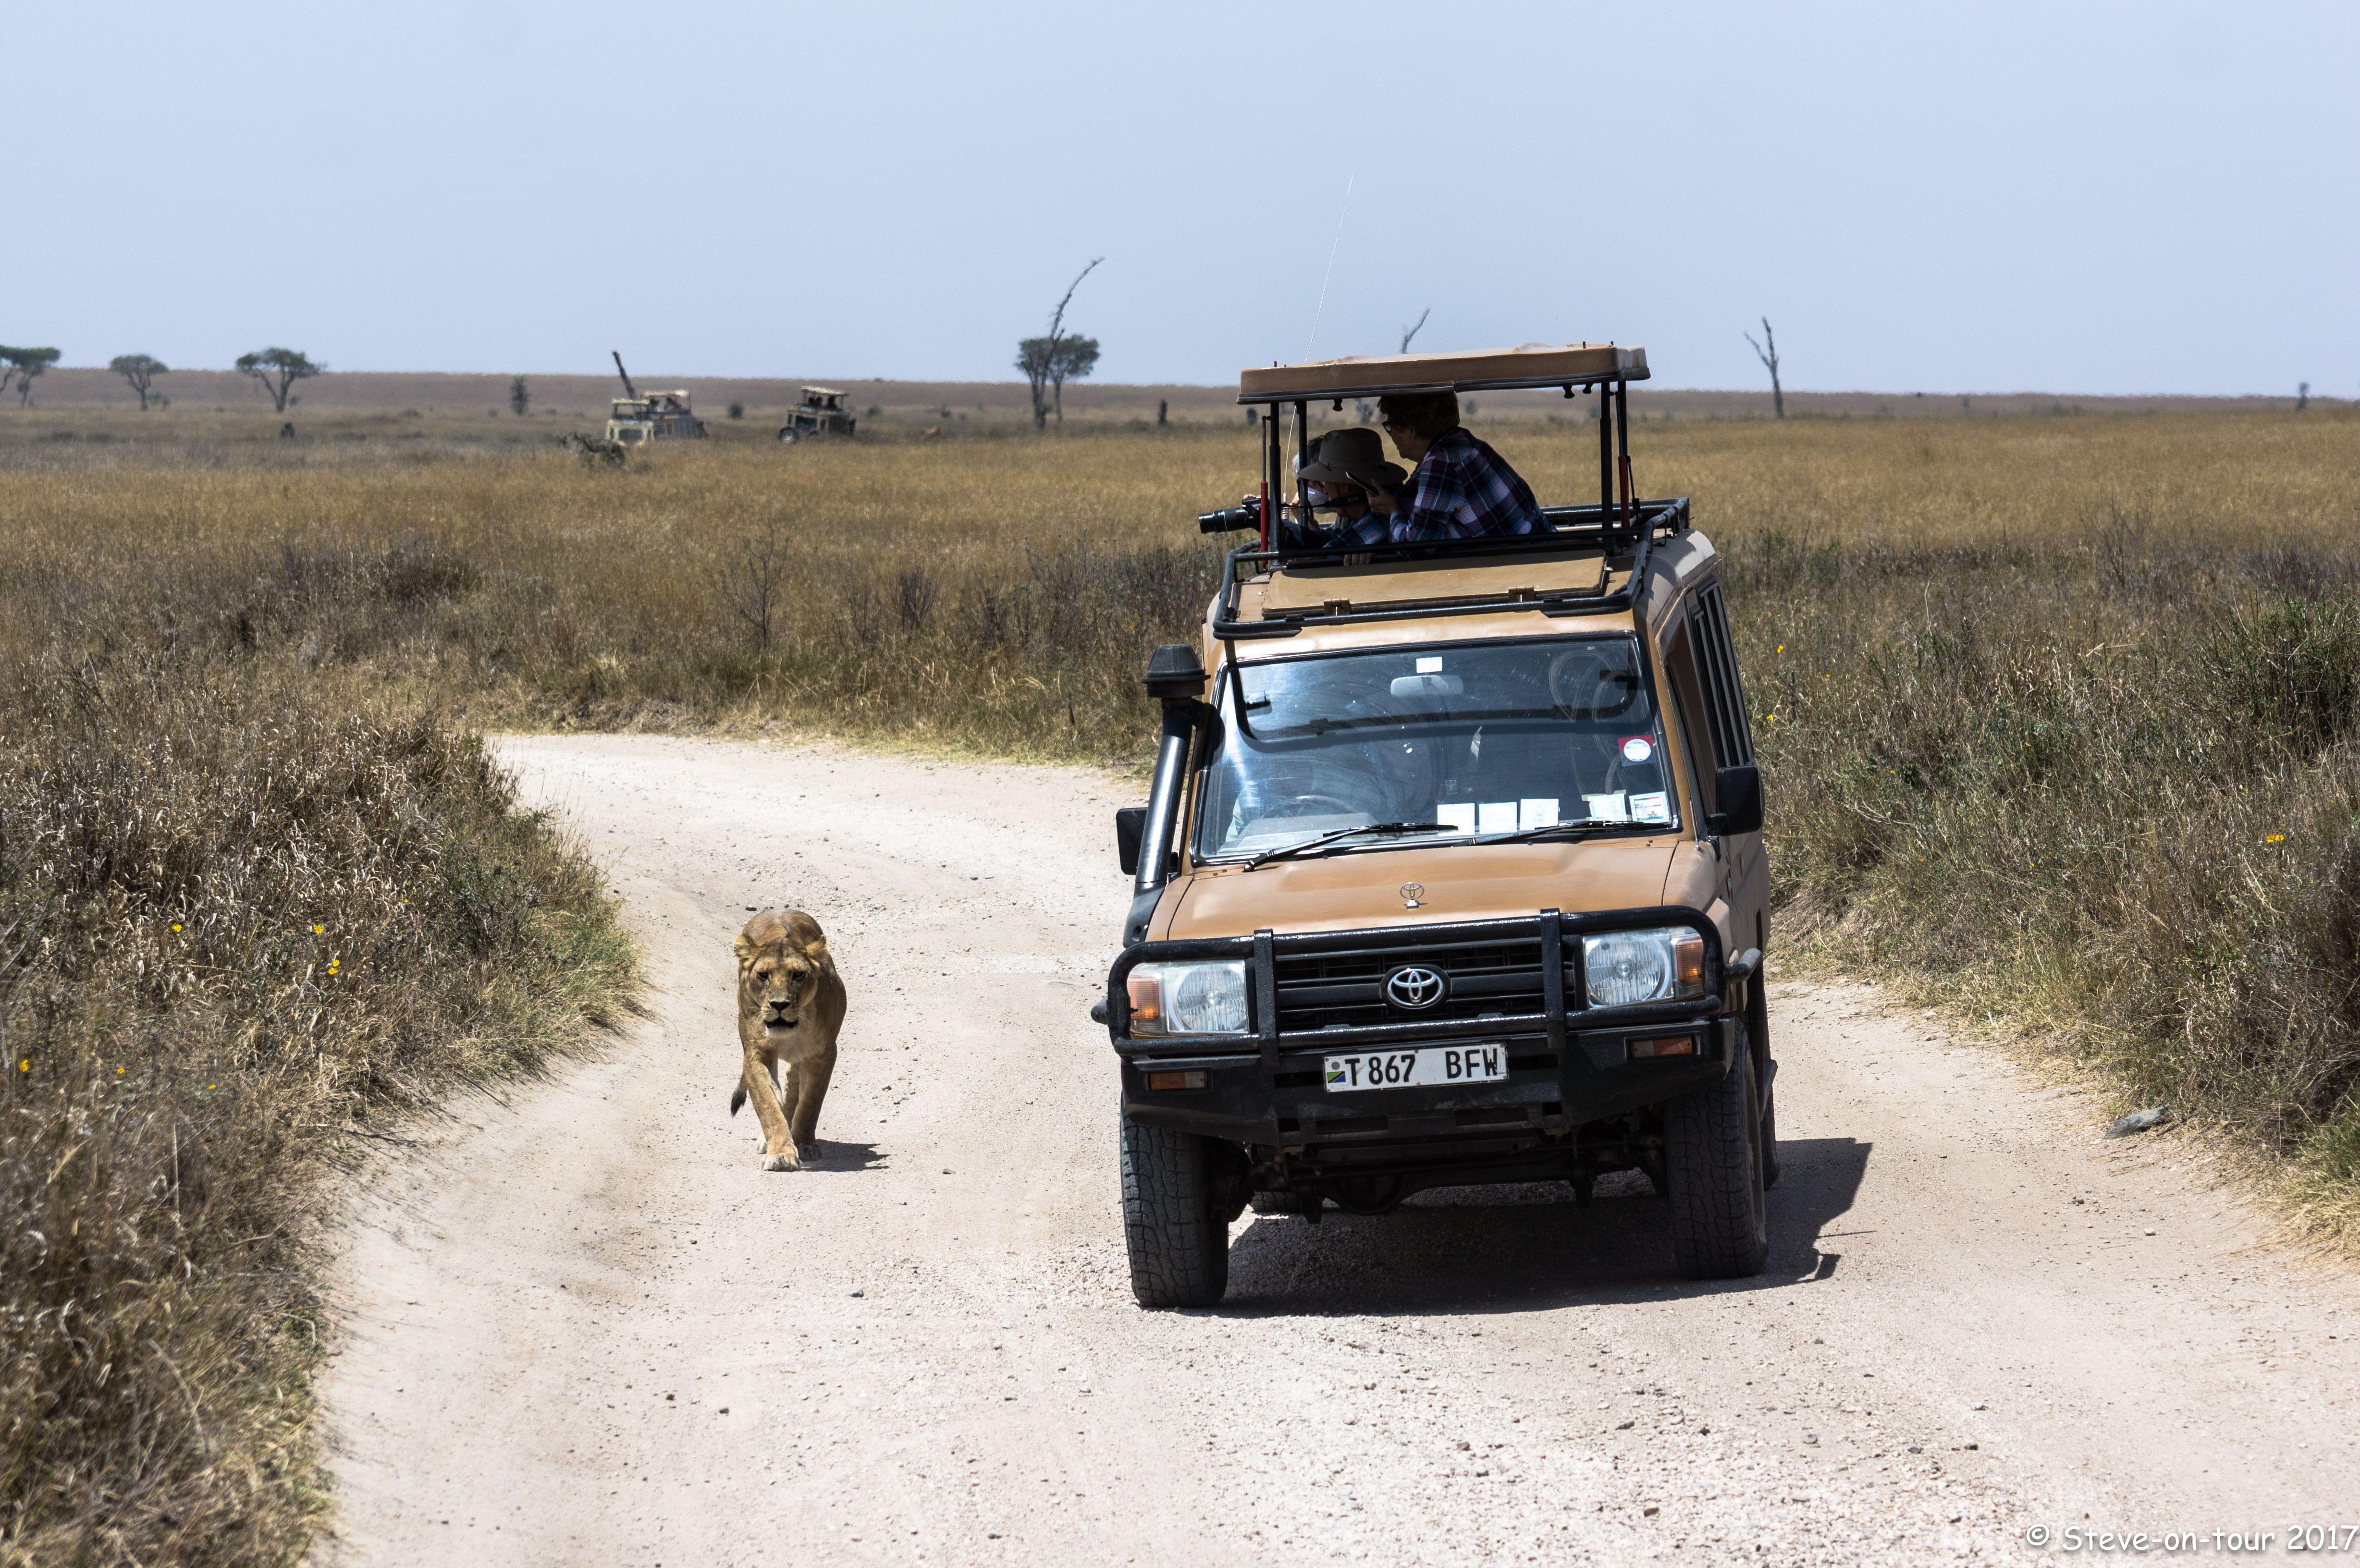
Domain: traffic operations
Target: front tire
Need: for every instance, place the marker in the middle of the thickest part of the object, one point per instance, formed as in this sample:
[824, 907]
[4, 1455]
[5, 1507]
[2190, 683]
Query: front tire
[1172, 1226]
[790, 435]
[1720, 1223]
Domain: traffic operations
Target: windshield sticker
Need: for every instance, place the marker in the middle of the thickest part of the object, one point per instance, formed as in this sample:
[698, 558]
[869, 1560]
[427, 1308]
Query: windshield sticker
[1655, 807]
[1536, 812]
[1459, 815]
[1606, 808]
[1637, 748]
[1429, 666]
[1496, 816]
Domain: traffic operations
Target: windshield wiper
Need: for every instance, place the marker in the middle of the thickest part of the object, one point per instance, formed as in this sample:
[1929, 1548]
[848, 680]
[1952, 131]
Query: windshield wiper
[1527, 835]
[1284, 851]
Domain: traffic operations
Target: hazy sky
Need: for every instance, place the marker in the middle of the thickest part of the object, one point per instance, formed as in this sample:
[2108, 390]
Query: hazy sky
[2088, 197]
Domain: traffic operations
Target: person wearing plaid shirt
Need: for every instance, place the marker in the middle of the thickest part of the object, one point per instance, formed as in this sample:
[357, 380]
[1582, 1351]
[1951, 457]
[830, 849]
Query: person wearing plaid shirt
[1460, 489]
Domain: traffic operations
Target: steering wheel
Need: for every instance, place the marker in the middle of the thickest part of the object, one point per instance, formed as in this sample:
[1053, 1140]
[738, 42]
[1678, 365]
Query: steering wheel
[1345, 806]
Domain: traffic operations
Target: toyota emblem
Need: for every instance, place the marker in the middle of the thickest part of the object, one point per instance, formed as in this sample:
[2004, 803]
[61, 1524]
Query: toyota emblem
[1413, 986]
[1411, 893]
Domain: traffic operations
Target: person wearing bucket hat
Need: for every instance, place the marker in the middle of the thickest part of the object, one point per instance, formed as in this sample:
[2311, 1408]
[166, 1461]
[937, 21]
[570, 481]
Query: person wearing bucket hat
[1338, 472]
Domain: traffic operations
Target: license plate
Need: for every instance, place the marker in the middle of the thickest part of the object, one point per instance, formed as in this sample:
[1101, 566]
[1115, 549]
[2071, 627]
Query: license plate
[1433, 1067]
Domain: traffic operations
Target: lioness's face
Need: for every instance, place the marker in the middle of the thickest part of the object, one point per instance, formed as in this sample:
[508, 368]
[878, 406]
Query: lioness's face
[774, 987]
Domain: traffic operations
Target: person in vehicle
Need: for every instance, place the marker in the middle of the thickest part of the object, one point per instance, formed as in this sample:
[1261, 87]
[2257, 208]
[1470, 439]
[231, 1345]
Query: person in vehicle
[1460, 488]
[1340, 470]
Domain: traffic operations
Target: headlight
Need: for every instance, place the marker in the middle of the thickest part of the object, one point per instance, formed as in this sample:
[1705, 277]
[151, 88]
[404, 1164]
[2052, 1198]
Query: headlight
[1626, 967]
[1188, 998]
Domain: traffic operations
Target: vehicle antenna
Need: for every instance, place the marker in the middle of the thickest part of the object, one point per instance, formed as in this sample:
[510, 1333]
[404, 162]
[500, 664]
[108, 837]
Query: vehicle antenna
[1332, 249]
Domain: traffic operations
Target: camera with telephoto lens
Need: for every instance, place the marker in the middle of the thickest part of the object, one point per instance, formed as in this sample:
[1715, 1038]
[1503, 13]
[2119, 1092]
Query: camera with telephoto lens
[1246, 514]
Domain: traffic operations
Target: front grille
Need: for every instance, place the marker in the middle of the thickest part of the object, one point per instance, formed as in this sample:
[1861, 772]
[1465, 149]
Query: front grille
[1339, 990]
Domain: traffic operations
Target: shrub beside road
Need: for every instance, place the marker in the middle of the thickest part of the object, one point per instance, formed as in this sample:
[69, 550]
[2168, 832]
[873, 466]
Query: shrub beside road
[239, 930]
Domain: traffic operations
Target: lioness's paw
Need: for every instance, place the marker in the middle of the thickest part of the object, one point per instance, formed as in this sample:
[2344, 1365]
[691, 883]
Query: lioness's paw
[786, 1162]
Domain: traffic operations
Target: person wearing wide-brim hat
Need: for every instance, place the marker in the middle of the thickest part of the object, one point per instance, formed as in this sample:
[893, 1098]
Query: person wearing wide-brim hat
[1339, 471]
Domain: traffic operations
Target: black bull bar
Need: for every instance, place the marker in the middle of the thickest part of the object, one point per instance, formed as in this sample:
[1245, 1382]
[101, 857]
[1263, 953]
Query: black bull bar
[1564, 984]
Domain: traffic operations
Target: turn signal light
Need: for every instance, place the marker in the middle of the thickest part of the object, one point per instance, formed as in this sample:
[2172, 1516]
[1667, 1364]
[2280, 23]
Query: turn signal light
[1664, 1045]
[1195, 1079]
[1146, 997]
[1687, 964]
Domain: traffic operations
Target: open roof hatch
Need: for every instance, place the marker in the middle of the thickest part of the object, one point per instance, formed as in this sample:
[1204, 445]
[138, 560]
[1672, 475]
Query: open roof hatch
[1589, 561]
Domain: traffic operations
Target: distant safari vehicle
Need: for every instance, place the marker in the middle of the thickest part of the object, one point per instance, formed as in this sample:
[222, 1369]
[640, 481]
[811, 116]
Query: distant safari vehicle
[821, 413]
[636, 418]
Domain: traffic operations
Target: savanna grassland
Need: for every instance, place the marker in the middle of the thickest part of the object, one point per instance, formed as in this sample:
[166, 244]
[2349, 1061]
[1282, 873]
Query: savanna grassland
[2060, 716]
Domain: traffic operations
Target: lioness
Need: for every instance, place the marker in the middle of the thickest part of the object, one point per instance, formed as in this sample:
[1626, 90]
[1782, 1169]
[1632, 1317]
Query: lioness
[790, 1005]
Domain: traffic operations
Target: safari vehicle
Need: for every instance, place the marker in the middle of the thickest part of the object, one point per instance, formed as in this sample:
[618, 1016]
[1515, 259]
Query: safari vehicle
[634, 418]
[1451, 871]
[821, 413]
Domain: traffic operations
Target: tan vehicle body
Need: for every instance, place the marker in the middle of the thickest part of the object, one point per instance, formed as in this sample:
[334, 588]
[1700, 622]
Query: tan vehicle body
[1465, 882]
[658, 415]
[1543, 970]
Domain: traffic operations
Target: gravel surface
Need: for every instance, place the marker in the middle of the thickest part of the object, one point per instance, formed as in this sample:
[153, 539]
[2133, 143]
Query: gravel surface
[580, 1324]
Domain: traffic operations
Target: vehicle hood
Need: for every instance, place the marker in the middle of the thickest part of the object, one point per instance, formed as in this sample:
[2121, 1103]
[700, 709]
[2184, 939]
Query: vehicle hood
[1479, 882]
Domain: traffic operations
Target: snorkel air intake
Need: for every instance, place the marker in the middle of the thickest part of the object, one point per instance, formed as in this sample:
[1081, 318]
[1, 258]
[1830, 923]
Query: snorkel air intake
[1175, 678]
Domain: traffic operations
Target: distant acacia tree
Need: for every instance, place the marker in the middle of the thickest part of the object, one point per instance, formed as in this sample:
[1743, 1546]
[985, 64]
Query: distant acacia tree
[519, 397]
[277, 369]
[1032, 355]
[1045, 360]
[140, 370]
[24, 367]
[1072, 360]
[1769, 358]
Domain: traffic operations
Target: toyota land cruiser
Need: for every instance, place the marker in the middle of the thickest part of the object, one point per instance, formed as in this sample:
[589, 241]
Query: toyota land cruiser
[1451, 870]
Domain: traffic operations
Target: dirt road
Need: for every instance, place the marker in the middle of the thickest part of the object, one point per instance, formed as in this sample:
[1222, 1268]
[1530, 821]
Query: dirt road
[585, 1326]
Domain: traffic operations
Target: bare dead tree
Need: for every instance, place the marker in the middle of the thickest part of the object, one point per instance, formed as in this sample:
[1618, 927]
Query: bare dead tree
[1043, 359]
[1769, 358]
[1410, 331]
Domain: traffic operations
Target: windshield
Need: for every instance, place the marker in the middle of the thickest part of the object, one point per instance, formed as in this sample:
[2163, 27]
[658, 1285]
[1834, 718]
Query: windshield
[1495, 738]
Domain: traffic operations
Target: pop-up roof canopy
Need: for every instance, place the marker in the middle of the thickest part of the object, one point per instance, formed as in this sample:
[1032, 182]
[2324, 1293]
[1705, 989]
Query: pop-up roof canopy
[1533, 365]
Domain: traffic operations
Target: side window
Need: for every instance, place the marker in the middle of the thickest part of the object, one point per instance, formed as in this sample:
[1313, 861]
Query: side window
[1687, 699]
[1702, 663]
[1716, 656]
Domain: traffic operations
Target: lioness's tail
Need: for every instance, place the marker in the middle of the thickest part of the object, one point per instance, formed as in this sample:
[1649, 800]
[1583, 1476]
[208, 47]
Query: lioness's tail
[737, 1099]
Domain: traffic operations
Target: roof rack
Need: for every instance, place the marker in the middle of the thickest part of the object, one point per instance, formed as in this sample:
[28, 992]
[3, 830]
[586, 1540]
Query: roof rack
[1485, 370]
[1464, 576]
[1620, 518]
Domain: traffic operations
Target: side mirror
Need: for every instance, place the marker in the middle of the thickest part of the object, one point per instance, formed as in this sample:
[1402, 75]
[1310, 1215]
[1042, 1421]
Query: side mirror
[1738, 792]
[1130, 823]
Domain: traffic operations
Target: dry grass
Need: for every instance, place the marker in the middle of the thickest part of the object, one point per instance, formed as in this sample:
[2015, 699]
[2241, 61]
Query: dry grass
[237, 928]
[2059, 716]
